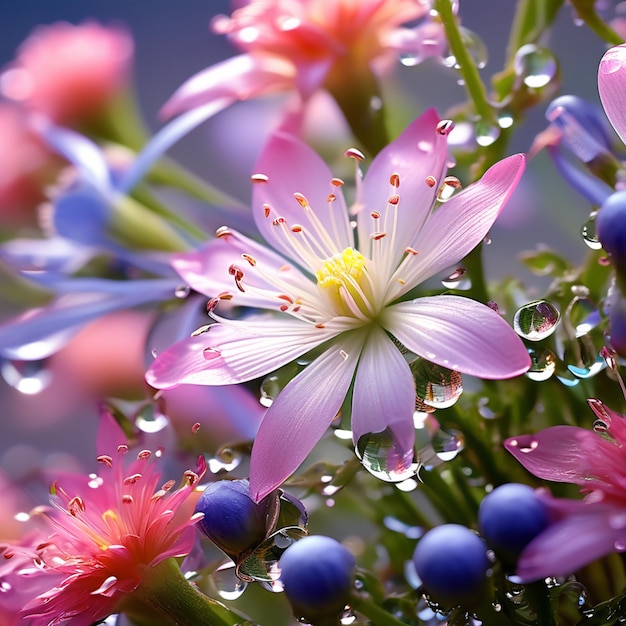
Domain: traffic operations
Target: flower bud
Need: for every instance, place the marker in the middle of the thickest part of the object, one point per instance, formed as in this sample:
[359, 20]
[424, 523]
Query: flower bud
[451, 561]
[232, 520]
[585, 116]
[317, 573]
[510, 517]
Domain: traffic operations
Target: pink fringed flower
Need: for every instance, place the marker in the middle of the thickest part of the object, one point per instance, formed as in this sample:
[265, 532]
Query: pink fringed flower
[108, 530]
[596, 461]
[69, 73]
[346, 298]
[297, 44]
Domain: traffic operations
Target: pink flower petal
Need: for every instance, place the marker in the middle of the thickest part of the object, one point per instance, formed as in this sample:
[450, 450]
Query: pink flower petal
[207, 270]
[238, 78]
[558, 453]
[301, 414]
[459, 225]
[459, 334]
[568, 545]
[420, 151]
[234, 352]
[293, 167]
[611, 85]
[110, 435]
[384, 392]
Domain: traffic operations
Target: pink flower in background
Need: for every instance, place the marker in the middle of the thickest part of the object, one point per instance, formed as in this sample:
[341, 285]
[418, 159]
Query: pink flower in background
[107, 529]
[326, 293]
[70, 73]
[28, 165]
[596, 461]
[296, 44]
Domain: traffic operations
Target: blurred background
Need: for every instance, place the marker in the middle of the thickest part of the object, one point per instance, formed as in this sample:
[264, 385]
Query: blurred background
[172, 42]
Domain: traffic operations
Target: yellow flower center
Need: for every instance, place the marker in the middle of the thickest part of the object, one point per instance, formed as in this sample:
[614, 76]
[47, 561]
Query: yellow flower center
[343, 277]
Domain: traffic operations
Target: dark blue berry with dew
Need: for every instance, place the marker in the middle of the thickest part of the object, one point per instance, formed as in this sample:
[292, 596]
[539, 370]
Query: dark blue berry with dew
[509, 518]
[611, 230]
[452, 563]
[232, 520]
[317, 573]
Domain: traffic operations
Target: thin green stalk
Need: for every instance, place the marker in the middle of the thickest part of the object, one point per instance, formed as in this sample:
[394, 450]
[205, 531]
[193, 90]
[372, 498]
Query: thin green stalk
[471, 77]
[365, 605]
[445, 499]
[586, 11]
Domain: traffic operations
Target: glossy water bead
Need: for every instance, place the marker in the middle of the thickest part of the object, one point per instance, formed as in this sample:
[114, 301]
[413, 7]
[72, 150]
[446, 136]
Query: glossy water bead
[451, 561]
[317, 573]
[510, 517]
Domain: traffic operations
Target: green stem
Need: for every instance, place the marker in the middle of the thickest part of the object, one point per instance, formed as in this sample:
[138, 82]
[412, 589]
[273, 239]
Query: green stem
[471, 77]
[586, 11]
[539, 598]
[168, 592]
[168, 172]
[147, 199]
[532, 18]
[356, 91]
[376, 614]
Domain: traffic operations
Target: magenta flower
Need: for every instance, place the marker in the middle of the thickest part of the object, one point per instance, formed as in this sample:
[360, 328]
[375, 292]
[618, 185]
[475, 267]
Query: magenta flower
[303, 45]
[582, 531]
[108, 530]
[344, 300]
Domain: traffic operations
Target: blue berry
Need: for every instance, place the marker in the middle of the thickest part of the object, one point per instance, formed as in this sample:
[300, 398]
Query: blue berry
[317, 573]
[451, 561]
[611, 228]
[509, 518]
[232, 520]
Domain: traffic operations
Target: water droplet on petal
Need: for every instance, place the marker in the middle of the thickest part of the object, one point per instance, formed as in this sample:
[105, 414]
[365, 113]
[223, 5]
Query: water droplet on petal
[152, 424]
[457, 280]
[436, 386]
[525, 444]
[535, 65]
[182, 291]
[27, 377]
[226, 459]
[542, 364]
[380, 456]
[537, 320]
[447, 188]
[447, 444]
[229, 586]
[270, 388]
[589, 232]
[409, 59]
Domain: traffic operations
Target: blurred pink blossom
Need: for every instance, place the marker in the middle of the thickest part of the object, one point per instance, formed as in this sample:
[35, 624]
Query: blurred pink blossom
[69, 73]
[28, 165]
[304, 45]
